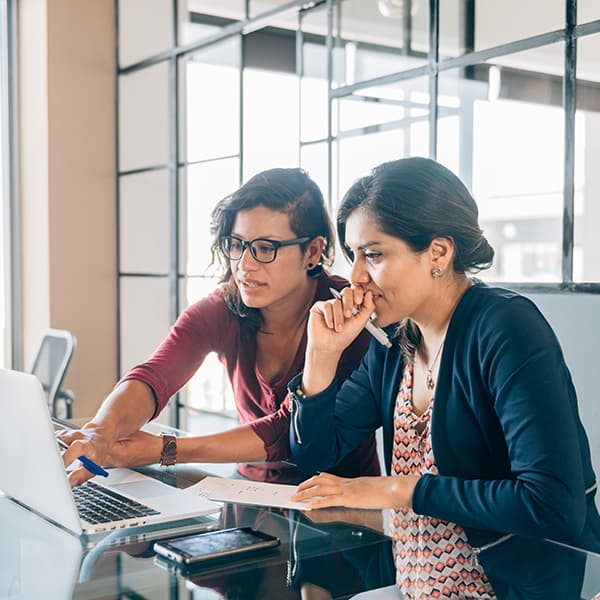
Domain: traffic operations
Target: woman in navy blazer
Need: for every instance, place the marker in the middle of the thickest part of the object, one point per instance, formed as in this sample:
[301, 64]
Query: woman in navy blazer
[485, 452]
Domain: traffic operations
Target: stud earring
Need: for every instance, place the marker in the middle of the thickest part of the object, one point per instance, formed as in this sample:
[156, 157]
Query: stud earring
[310, 265]
[436, 272]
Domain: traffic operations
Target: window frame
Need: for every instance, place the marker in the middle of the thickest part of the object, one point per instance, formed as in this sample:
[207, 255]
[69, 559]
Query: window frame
[9, 197]
[470, 60]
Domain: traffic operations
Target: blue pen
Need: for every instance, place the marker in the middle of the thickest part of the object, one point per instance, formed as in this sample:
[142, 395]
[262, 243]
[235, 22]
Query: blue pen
[90, 465]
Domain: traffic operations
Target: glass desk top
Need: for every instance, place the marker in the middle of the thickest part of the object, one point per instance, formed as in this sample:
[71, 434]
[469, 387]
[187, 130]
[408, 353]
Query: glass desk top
[323, 554]
[336, 552]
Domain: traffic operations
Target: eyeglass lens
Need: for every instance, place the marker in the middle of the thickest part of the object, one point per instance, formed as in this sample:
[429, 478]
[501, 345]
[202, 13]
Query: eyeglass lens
[262, 250]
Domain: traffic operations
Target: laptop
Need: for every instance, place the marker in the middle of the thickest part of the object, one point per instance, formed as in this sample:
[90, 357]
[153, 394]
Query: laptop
[34, 475]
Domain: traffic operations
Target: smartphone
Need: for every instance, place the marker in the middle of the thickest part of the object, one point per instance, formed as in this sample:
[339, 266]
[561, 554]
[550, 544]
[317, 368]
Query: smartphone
[214, 545]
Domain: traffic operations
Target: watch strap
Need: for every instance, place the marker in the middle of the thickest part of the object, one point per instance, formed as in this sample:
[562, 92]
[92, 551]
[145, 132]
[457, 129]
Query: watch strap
[168, 455]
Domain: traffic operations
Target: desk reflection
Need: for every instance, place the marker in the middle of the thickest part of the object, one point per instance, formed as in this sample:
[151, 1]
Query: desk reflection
[326, 557]
[323, 555]
[37, 559]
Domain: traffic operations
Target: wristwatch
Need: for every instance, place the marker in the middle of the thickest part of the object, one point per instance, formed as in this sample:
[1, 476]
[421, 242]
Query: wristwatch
[168, 456]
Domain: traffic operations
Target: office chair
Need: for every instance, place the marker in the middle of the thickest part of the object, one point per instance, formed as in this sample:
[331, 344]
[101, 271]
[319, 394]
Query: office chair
[50, 366]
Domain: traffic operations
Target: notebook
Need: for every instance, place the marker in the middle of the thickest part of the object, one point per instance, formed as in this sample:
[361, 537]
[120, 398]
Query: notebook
[33, 473]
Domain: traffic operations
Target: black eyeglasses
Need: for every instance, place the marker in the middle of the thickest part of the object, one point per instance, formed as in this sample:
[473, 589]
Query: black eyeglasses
[262, 249]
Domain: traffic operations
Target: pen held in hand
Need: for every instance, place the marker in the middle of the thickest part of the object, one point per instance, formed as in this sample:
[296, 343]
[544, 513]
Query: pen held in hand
[379, 334]
[90, 465]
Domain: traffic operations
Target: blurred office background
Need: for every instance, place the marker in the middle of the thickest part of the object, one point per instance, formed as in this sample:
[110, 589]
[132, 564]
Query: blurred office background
[124, 122]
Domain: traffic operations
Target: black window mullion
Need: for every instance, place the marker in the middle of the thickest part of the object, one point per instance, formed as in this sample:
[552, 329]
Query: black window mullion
[299, 70]
[569, 102]
[329, 51]
[174, 258]
[118, 193]
[466, 117]
[243, 50]
[407, 27]
[242, 66]
[434, 55]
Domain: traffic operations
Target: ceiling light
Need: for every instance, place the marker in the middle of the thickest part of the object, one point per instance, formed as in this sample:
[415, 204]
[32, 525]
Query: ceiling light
[394, 9]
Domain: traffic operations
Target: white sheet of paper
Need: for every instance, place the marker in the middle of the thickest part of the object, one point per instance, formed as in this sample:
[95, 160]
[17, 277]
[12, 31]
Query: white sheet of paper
[247, 492]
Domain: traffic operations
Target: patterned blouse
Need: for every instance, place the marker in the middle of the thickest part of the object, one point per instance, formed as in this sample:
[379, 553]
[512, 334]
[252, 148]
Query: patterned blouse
[433, 558]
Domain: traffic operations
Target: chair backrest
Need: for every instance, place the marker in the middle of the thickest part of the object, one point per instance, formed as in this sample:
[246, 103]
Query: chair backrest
[51, 362]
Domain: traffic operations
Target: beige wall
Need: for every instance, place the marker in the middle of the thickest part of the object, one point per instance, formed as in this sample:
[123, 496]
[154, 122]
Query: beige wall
[68, 182]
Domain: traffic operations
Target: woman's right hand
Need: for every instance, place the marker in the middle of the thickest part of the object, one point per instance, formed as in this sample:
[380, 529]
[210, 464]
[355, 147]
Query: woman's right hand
[90, 441]
[331, 329]
[332, 326]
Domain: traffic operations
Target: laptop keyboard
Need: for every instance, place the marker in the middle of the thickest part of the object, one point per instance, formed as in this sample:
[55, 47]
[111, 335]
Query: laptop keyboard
[97, 504]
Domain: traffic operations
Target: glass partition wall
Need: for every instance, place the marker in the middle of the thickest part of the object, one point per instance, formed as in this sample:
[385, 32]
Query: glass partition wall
[505, 94]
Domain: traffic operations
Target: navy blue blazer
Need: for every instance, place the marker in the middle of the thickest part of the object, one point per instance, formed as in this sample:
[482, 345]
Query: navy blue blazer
[509, 445]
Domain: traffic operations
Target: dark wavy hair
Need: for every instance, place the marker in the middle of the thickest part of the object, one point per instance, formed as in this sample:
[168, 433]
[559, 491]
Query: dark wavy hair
[418, 200]
[289, 191]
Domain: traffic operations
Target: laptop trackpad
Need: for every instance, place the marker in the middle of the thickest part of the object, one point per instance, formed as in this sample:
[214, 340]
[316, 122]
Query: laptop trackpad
[145, 489]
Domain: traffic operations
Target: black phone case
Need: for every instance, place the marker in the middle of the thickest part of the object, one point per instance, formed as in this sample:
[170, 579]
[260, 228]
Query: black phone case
[216, 545]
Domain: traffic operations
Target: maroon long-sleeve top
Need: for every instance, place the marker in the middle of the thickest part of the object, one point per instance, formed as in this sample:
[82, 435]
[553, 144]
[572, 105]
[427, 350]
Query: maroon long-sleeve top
[209, 326]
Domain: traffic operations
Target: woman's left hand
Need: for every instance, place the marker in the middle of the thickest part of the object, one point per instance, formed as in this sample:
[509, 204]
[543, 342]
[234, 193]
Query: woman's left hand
[138, 449]
[359, 492]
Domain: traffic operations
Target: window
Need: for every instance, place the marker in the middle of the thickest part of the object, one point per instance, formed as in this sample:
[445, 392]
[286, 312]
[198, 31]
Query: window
[212, 92]
[586, 251]
[504, 112]
[194, 123]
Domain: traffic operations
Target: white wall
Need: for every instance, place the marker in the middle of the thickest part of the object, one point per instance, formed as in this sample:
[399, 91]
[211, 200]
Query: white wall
[67, 184]
[575, 319]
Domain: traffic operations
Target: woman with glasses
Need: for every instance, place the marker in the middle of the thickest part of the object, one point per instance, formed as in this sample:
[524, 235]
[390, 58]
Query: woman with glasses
[272, 237]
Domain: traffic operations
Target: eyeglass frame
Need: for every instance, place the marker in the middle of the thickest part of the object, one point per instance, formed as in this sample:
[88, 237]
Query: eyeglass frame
[249, 244]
